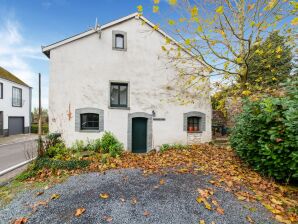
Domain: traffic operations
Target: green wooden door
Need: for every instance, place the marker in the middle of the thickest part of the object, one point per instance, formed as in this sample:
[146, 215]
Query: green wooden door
[139, 135]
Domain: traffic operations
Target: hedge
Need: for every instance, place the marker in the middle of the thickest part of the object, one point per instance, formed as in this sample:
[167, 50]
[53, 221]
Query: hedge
[34, 128]
[266, 134]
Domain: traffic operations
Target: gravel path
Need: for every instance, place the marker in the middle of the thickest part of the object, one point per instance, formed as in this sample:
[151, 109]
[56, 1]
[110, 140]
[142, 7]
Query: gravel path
[172, 202]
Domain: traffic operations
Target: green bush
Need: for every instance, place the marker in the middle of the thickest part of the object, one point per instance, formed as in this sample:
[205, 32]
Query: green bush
[166, 147]
[266, 134]
[59, 164]
[93, 145]
[44, 128]
[58, 151]
[78, 146]
[110, 144]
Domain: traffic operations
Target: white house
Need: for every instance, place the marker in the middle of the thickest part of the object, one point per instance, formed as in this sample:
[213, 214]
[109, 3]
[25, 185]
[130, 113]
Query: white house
[15, 105]
[114, 78]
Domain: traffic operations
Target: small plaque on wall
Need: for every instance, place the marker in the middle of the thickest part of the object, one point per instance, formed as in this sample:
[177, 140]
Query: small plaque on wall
[159, 119]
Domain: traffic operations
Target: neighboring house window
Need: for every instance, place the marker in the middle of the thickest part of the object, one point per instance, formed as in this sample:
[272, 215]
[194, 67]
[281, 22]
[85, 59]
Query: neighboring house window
[193, 124]
[119, 95]
[1, 90]
[89, 121]
[119, 40]
[16, 97]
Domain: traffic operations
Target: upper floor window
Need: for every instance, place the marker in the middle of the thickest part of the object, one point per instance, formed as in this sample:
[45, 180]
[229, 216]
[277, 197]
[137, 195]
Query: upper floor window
[89, 121]
[119, 40]
[16, 97]
[1, 90]
[193, 124]
[119, 95]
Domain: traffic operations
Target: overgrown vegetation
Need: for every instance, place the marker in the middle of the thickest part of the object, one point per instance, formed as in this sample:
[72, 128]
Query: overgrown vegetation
[266, 134]
[166, 147]
[56, 156]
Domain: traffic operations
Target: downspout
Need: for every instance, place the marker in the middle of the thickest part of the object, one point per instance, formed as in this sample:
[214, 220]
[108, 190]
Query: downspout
[30, 109]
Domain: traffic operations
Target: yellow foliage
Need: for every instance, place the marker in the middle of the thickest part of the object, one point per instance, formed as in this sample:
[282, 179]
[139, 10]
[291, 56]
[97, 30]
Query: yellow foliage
[294, 21]
[172, 2]
[246, 93]
[156, 2]
[200, 29]
[194, 11]
[171, 22]
[140, 8]
[155, 8]
[220, 10]
[181, 20]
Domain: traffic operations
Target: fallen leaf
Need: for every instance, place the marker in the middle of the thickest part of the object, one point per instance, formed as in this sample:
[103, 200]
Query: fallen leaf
[162, 182]
[146, 213]
[79, 212]
[108, 218]
[202, 221]
[122, 199]
[55, 196]
[39, 193]
[282, 219]
[134, 200]
[220, 210]
[21, 220]
[249, 219]
[104, 195]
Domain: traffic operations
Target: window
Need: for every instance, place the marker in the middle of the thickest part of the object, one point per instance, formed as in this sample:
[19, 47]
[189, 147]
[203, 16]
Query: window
[119, 94]
[89, 121]
[193, 124]
[16, 97]
[119, 41]
[1, 90]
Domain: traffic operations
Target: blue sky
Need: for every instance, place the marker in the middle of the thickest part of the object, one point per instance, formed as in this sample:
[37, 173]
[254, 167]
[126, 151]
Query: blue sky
[26, 25]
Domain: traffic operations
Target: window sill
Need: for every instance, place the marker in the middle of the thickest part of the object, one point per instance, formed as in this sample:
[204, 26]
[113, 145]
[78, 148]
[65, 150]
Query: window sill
[119, 49]
[190, 132]
[16, 106]
[90, 131]
[120, 108]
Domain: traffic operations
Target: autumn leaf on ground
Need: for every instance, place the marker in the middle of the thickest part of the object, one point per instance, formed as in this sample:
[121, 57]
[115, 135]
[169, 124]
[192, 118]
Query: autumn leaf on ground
[202, 221]
[104, 195]
[108, 218]
[21, 220]
[220, 210]
[162, 182]
[79, 212]
[282, 219]
[122, 199]
[55, 196]
[134, 200]
[249, 219]
[146, 213]
[39, 193]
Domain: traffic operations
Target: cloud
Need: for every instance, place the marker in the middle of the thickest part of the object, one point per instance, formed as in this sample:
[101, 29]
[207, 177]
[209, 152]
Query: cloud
[15, 56]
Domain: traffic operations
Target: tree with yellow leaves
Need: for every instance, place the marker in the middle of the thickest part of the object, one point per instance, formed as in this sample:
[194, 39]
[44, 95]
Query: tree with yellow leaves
[224, 34]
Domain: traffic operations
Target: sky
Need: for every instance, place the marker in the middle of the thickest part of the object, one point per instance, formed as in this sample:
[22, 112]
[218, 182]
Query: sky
[26, 25]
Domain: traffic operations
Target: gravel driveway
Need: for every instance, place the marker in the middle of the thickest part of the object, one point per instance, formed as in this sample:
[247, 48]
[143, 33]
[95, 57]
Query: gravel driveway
[134, 198]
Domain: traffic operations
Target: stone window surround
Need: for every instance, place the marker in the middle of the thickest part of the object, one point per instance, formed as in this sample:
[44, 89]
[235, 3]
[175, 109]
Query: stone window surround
[149, 129]
[201, 115]
[128, 95]
[114, 33]
[86, 110]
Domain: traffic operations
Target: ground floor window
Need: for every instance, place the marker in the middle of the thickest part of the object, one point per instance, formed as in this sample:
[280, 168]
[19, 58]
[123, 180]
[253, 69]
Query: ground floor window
[193, 124]
[89, 121]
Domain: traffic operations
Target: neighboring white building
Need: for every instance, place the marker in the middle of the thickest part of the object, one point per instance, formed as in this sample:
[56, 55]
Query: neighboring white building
[114, 78]
[15, 105]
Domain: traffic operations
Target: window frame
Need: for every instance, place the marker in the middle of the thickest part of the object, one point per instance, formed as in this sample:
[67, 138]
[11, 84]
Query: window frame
[115, 33]
[119, 105]
[119, 35]
[89, 128]
[1, 90]
[194, 121]
[12, 98]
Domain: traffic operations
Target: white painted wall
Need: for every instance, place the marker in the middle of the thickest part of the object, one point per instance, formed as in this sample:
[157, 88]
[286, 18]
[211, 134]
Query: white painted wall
[6, 103]
[80, 73]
